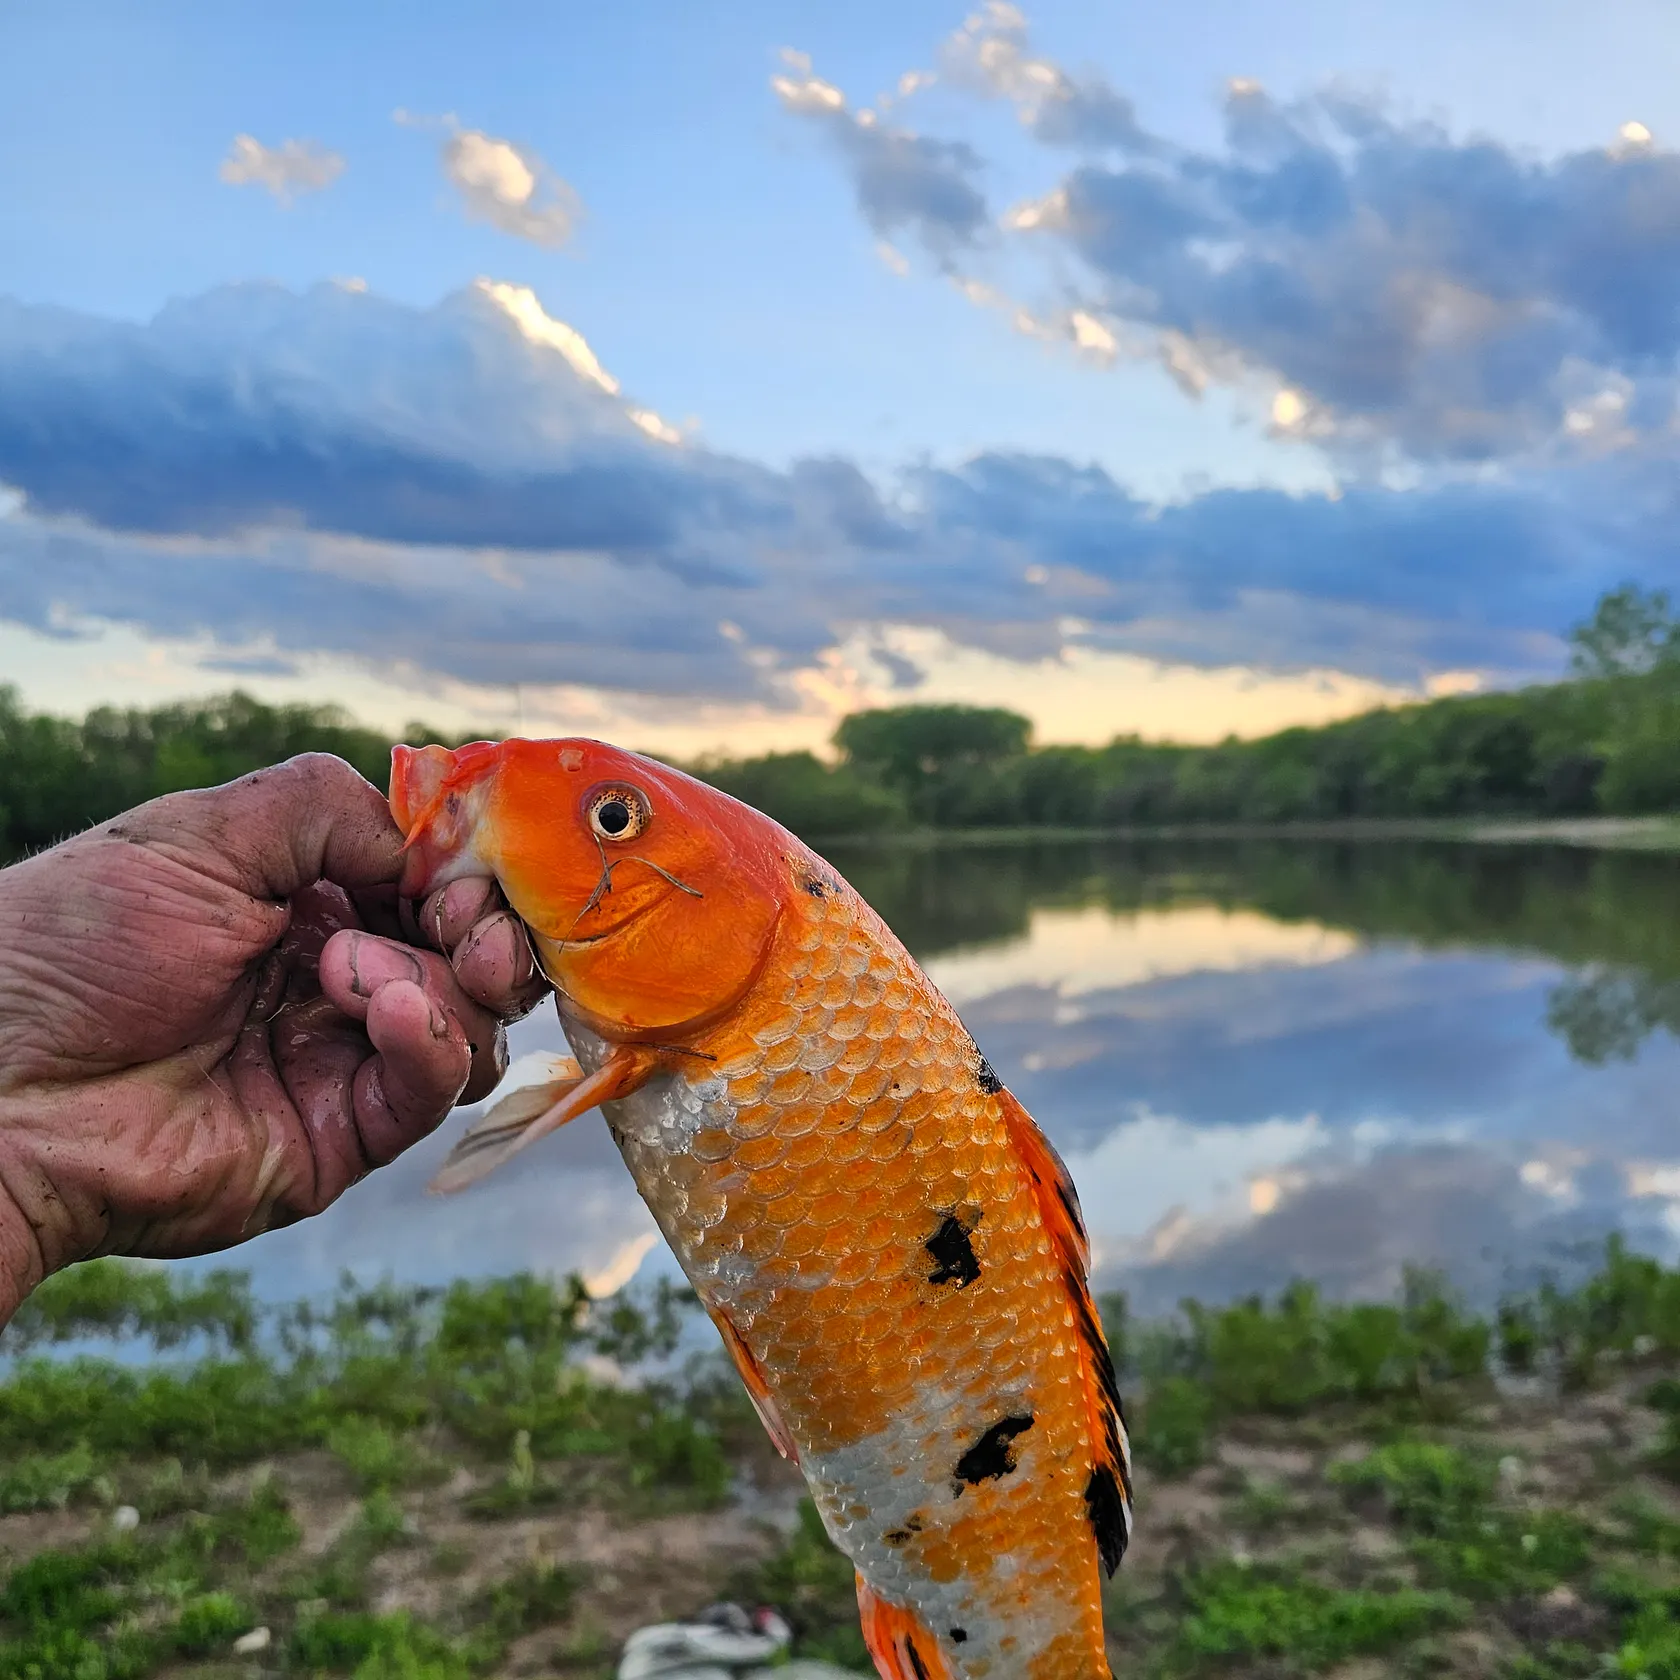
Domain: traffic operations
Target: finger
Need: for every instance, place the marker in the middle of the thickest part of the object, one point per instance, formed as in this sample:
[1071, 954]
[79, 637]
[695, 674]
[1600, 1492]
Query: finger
[356, 967]
[272, 833]
[494, 964]
[318, 912]
[419, 1073]
[303, 1063]
[447, 916]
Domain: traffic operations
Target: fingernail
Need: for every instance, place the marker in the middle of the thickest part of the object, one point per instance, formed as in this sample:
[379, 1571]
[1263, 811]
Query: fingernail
[437, 1021]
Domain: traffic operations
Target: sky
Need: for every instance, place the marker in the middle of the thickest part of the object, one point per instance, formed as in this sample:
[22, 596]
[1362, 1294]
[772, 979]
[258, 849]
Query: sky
[694, 374]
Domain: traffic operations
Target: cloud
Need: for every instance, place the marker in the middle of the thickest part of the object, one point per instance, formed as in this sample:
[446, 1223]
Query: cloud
[510, 187]
[1449, 299]
[1387, 289]
[287, 170]
[465, 490]
[902, 181]
[990, 55]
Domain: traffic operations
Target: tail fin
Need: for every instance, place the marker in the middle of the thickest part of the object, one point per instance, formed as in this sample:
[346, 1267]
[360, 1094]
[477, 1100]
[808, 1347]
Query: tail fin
[1108, 1493]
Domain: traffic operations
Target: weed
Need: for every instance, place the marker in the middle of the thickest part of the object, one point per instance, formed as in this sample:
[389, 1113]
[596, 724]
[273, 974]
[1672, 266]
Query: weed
[208, 1623]
[49, 1481]
[377, 1456]
[1443, 1499]
[1249, 1615]
[1171, 1428]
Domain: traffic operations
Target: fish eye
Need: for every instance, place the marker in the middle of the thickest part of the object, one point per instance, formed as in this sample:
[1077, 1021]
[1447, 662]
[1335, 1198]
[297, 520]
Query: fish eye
[618, 813]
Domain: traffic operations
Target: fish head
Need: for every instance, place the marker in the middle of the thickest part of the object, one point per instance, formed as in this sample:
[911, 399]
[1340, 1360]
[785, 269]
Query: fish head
[651, 899]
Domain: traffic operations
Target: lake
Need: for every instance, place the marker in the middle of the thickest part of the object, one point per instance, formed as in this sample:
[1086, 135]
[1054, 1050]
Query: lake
[1261, 1060]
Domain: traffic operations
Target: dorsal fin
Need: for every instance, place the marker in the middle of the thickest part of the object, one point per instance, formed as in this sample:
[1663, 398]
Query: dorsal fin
[1108, 1494]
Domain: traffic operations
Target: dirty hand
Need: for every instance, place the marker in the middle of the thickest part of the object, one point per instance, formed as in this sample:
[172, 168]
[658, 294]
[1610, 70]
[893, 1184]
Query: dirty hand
[201, 1035]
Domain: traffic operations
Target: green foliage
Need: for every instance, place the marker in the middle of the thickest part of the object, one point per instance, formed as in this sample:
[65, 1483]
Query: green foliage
[377, 1456]
[1300, 1352]
[1240, 1615]
[118, 1298]
[1171, 1433]
[489, 1361]
[950, 764]
[813, 799]
[57, 777]
[209, 1622]
[48, 1481]
[1444, 1500]
[536, 1595]
[1604, 742]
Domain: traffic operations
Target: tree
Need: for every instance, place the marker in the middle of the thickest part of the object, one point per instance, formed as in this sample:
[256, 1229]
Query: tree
[1632, 632]
[935, 756]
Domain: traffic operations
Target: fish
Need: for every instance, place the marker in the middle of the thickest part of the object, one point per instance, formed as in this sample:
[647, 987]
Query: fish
[892, 1251]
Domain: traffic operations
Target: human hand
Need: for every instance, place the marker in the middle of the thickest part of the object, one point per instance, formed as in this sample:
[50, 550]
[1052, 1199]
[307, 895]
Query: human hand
[211, 1023]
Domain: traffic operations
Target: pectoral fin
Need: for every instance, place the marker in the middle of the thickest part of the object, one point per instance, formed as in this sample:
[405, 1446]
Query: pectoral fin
[758, 1389]
[537, 1110]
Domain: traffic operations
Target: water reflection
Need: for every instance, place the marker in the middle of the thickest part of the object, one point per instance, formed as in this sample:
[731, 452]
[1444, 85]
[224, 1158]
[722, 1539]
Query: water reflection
[1261, 1061]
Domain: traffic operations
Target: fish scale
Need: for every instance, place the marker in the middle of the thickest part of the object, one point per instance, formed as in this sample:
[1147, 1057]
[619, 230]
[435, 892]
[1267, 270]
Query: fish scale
[855, 1096]
[892, 1252]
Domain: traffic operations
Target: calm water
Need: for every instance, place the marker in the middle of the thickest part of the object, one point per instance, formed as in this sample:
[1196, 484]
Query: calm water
[1260, 1061]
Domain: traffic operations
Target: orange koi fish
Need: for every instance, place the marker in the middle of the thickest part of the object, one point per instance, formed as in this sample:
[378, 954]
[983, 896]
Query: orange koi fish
[889, 1246]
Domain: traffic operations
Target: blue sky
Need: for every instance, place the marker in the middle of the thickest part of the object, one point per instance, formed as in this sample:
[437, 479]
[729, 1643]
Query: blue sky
[1179, 369]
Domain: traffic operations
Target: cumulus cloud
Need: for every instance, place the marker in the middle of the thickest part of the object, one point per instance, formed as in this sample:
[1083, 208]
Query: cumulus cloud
[990, 54]
[287, 170]
[465, 490]
[904, 182]
[510, 187]
[1387, 288]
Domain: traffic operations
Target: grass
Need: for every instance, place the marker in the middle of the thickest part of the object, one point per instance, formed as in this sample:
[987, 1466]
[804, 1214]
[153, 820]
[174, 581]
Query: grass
[1320, 1483]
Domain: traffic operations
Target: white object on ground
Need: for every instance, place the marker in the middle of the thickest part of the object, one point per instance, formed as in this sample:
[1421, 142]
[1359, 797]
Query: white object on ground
[725, 1644]
[248, 1644]
[125, 1519]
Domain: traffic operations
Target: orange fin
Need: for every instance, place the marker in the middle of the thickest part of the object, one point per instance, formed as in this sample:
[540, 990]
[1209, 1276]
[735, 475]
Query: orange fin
[758, 1389]
[899, 1640]
[1108, 1493]
[526, 1115]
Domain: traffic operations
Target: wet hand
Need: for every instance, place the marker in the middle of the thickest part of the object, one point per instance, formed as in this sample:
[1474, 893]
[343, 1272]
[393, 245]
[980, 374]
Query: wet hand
[213, 1020]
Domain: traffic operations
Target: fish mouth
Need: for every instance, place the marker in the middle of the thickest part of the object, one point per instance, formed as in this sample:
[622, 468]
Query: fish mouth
[573, 943]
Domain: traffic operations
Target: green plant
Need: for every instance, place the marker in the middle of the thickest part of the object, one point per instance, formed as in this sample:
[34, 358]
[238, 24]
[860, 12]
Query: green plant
[1234, 1614]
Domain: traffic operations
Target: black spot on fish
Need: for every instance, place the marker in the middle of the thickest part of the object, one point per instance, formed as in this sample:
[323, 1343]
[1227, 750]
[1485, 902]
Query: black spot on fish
[953, 1253]
[959, 1636]
[989, 1081]
[903, 1536]
[917, 1666]
[993, 1455]
[815, 888]
[1106, 1507]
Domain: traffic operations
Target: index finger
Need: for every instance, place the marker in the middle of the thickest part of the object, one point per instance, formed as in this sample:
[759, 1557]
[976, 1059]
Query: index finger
[274, 832]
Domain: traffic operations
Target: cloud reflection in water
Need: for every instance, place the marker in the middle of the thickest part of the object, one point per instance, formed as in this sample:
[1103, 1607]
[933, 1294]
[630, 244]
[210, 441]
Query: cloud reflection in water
[1246, 1091]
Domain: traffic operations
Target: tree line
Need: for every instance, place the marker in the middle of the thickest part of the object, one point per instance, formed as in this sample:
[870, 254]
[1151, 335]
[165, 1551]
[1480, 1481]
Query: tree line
[1607, 740]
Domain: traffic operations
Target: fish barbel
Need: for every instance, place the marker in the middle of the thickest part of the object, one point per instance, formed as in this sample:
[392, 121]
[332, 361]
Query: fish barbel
[890, 1248]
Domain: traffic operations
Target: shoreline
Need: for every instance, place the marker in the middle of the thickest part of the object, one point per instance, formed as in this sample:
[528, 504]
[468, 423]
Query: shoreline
[1642, 834]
